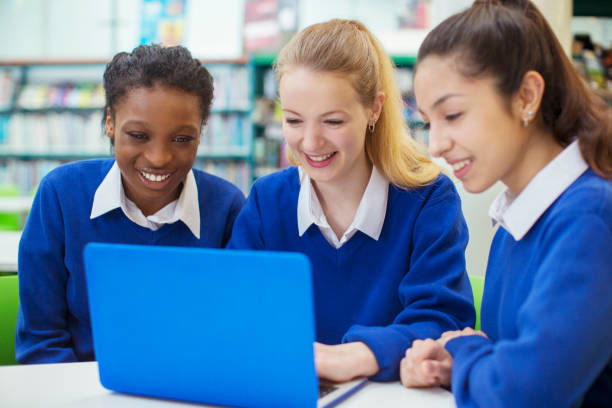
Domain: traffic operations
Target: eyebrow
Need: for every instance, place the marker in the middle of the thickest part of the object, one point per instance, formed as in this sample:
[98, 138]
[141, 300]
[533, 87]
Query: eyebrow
[146, 125]
[324, 114]
[441, 100]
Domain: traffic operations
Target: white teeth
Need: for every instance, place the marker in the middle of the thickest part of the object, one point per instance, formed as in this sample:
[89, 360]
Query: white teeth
[154, 177]
[320, 158]
[459, 165]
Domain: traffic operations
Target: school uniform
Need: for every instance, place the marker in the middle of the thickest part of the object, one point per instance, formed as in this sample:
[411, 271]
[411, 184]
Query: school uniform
[547, 304]
[84, 202]
[396, 275]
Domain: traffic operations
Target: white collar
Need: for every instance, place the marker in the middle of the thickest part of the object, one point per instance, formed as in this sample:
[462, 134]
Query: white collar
[370, 215]
[110, 195]
[518, 214]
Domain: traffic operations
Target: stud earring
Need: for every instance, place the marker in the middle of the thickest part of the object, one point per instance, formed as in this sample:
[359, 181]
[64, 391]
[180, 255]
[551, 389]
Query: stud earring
[526, 119]
[371, 127]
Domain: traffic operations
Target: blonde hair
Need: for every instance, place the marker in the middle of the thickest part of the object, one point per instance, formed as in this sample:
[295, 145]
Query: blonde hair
[346, 47]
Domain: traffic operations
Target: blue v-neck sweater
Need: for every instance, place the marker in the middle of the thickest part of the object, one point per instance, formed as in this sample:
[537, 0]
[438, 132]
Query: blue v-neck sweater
[53, 322]
[409, 284]
[547, 310]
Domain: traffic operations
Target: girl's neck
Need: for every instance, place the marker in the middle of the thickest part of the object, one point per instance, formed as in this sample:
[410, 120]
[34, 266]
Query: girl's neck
[339, 201]
[540, 149]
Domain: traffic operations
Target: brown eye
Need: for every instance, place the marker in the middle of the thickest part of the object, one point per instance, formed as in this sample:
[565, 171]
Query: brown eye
[452, 116]
[137, 135]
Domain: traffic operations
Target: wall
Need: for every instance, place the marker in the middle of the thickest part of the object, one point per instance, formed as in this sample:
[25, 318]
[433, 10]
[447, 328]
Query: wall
[77, 29]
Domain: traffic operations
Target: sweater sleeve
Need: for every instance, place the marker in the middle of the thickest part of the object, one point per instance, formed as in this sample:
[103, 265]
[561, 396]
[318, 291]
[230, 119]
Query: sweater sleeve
[42, 335]
[247, 233]
[435, 292]
[564, 334]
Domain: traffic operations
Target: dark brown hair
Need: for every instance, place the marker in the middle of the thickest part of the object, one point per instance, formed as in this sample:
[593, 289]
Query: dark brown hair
[504, 39]
[150, 65]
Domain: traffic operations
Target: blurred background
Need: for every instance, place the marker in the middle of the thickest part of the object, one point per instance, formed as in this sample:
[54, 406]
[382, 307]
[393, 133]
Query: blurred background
[53, 54]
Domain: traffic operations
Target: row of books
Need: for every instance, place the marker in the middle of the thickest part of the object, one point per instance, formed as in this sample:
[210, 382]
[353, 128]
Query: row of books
[26, 175]
[68, 132]
[65, 95]
[232, 87]
[7, 89]
[238, 172]
[231, 83]
[91, 96]
[223, 131]
[52, 133]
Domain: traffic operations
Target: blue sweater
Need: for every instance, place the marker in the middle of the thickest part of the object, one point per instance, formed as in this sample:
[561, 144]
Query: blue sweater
[547, 309]
[410, 284]
[53, 321]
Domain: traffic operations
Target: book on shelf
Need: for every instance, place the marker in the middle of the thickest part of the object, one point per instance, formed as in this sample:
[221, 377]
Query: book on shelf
[7, 89]
[232, 88]
[67, 95]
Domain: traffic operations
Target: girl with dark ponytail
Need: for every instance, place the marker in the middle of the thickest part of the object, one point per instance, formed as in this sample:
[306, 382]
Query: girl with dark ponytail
[503, 102]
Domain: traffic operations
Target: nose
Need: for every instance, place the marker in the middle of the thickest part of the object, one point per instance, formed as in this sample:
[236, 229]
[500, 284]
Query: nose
[438, 142]
[312, 140]
[158, 154]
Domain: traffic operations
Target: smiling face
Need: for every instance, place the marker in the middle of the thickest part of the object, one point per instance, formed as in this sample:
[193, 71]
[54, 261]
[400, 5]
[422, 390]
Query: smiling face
[156, 133]
[325, 124]
[471, 125]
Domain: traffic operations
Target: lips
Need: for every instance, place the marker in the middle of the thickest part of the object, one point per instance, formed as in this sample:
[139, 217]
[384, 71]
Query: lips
[320, 160]
[461, 167]
[461, 164]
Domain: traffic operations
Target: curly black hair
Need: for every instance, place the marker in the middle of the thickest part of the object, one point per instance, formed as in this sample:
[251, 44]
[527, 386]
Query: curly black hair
[150, 65]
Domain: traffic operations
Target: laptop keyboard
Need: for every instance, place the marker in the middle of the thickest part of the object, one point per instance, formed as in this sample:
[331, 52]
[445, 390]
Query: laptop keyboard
[325, 389]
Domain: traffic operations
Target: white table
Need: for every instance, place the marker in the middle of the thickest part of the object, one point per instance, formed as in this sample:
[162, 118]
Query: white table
[75, 385]
[9, 246]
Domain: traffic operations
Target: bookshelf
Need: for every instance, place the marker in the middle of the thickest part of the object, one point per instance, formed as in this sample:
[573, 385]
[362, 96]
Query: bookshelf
[269, 145]
[51, 113]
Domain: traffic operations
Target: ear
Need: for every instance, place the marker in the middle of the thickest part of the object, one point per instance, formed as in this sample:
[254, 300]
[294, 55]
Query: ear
[377, 105]
[529, 96]
[109, 127]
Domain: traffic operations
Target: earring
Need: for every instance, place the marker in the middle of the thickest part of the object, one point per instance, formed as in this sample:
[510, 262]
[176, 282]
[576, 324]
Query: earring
[371, 127]
[526, 119]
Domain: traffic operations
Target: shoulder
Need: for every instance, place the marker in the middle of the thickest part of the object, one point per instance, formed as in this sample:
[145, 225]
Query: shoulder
[440, 190]
[210, 184]
[589, 195]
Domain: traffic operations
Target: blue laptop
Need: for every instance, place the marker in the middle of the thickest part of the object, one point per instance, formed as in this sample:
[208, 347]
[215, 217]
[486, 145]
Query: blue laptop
[214, 326]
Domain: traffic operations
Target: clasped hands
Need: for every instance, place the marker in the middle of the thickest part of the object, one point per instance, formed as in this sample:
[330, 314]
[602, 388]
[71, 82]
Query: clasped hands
[427, 363]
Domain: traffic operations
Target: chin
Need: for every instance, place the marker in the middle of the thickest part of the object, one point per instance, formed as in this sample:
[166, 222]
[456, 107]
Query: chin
[475, 188]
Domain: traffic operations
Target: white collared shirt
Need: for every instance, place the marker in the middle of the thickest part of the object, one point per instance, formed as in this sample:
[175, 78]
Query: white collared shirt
[110, 195]
[518, 214]
[369, 218]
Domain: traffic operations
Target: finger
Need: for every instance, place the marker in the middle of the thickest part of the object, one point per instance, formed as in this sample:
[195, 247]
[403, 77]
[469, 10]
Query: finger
[408, 375]
[445, 372]
[404, 374]
[428, 350]
[429, 373]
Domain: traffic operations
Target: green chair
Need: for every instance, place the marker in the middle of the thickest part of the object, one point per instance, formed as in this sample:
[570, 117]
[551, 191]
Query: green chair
[9, 303]
[477, 283]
